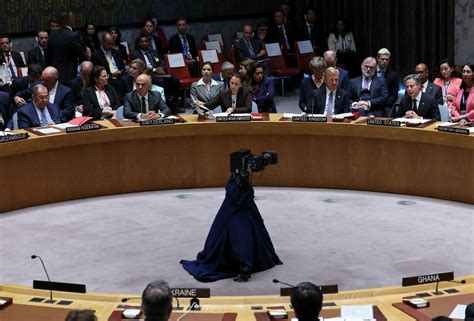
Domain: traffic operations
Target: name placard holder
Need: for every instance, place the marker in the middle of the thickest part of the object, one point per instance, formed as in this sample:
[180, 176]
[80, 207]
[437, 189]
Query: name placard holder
[13, 138]
[454, 130]
[383, 122]
[223, 119]
[191, 292]
[428, 278]
[155, 122]
[309, 119]
[83, 128]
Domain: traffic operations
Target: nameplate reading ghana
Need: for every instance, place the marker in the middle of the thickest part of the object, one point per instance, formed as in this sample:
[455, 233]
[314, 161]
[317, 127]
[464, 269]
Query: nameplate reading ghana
[383, 122]
[454, 130]
[191, 292]
[428, 278]
[14, 137]
[83, 128]
[154, 122]
[221, 119]
[304, 119]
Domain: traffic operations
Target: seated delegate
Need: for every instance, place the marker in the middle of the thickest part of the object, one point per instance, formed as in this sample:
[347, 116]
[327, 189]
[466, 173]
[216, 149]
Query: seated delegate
[100, 100]
[417, 104]
[205, 89]
[39, 112]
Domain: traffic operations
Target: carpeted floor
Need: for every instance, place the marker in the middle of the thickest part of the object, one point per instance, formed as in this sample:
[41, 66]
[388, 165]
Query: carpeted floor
[351, 238]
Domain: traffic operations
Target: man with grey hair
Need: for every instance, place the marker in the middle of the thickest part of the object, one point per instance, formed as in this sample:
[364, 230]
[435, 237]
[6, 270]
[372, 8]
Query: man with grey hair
[157, 301]
[227, 70]
[417, 104]
[39, 112]
[390, 76]
[368, 92]
[330, 58]
[81, 82]
[309, 84]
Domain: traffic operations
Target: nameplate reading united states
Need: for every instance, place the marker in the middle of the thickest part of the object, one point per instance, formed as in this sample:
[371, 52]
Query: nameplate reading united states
[233, 118]
[383, 122]
[83, 128]
[154, 122]
[310, 119]
[428, 278]
[13, 137]
[456, 130]
[191, 292]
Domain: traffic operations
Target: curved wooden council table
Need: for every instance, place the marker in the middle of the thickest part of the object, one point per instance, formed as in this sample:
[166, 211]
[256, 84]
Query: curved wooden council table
[115, 160]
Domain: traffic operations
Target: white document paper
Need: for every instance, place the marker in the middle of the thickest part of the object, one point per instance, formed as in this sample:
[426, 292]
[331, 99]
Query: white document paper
[289, 115]
[448, 124]
[216, 37]
[344, 115]
[273, 49]
[64, 125]
[213, 45]
[459, 312]
[305, 46]
[316, 115]
[48, 130]
[357, 311]
[209, 55]
[220, 114]
[412, 120]
[176, 60]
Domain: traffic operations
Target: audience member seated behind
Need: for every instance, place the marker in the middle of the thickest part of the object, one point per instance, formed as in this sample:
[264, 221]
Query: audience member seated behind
[36, 54]
[100, 99]
[307, 301]
[59, 94]
[417, 104]
[11, 59]
[245, 67]
[262, 89]
[248, 47]
[227, 70]
[311, 32]
[81, 315]
[311, 83]
[390, 76]
[158, 31]
[40, 112]
[143, 104]
[21, 87]
[5, 109]
[80, 83]
[342, 42]
[204, 90]
[330, 59]
[426, 86]
[184, 43]
[237, 99]
[157, 301]
[117, 37]
[90, 37]
[368, 93]
[330, 99]
[462, 109]
[449, 84]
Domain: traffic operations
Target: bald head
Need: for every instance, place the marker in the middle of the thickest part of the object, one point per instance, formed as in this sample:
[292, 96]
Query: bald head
[107, 41]
[330, 58]
[247, 32]
[86, 68]
[50, 77]
[143, 84]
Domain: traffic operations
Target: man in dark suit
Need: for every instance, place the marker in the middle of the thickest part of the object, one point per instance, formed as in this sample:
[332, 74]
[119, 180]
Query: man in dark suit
[184, 43]
[11, 59]
[390, 76]
[80, 83]
[40, 112]
[5, 110]
[227, 70]
[157, 301]
[368, 92]
[37, 54]
[143, 104]
[59, 94]
[417, 104]
[248, 47]
[428, 87]
[330, 99]
[65, 51]
[279, 32]
[309, 32]
[330, 58]
[21, 87]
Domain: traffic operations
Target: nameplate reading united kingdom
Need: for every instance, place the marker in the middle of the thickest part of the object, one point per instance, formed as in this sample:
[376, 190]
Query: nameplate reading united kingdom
[309, 119]
[428, 278]
[456, 130]
[233, 118]
[191, 292]
[383, 122]
[13, 137]
[159, 121]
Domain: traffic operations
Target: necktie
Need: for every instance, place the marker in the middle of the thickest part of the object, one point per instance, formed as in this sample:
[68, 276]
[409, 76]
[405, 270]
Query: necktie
[251, 51]
[286, 44]
[186, 48]
[44, 120]
[365, 84]
[10, 66]
[311, 34]
[143, 105]
[110, 59]
[330, 104]
[150, 59]
[413, 105]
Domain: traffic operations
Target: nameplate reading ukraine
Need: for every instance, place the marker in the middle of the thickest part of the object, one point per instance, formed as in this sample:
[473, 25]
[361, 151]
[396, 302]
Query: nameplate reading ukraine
[83, 128]
[221, 119]
[13, 137]
[383, 122]
[454, 130]
[191, 292]
[428, 278]
[159, 121]
[309, 119]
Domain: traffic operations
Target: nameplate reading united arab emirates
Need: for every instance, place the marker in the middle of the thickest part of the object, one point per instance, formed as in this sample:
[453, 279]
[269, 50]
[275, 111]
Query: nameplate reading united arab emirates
[191, 292]
[428, 278]
[83, 128]
[159, 121]
[233, 118]
[455, 130]
[310, 119]
[14, 137]
[383, 122]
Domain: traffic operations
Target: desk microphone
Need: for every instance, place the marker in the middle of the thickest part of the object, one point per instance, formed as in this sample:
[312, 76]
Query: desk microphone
[185, 313]
[47, 275]
[395, 104]
[452, 281]
[278, 281]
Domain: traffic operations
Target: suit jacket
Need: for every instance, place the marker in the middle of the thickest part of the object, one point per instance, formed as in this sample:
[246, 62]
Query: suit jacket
[35, 56]
[343, 77]
[20, 87]
[243, 51]
[455, 110]
[132, 104]
[28, 117]
[77, 88]
[341, 101]
[378, 92]
[316, 39]
[91, 104]
[427, 107]
[453, 88]
[17, 58]
[157, 60]
[435, 91]
[64, 99]
[306, 93]
[176, 46]
[273, 35]
[199, 92]
[98, 59]
[64, 53]
[224, 99]
[391, 78]
[5, 108]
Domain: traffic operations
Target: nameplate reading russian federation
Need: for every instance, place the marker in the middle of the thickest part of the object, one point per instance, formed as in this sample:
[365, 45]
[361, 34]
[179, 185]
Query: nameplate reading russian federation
[221, 119]
[191, 292]
[159, 121]
[383, 122]
[14, 137]
[83, 128]
[325, 289]
[454, 130]
[428, 278]
[310, 119]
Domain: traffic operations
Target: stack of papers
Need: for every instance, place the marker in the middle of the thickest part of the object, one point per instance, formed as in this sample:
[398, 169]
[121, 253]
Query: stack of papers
[64, 125]
[344, 115]
[48, 130]
[290, 115]
[459, 312]
[447, 124]
[411, 120]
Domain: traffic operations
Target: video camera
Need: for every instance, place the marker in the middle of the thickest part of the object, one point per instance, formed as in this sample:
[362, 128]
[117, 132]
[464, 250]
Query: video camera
[243, 162]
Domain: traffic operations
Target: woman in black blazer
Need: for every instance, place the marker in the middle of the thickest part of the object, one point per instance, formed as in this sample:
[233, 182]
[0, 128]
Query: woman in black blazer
[99, 99]
[237, 99]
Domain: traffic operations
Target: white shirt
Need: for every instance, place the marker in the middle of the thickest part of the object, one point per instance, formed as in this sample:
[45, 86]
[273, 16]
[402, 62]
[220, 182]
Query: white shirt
[147, 61]
[425, 85]
[52, 93]
[418, 98]
[46, 113]
[339, 42]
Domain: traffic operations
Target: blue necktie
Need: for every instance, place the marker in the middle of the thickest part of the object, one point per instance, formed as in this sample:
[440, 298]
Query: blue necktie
[10, 66]
[44, 121]
[186, 48]
[330, 104]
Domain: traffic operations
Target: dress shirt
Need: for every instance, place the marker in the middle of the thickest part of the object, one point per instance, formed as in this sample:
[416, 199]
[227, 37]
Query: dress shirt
[110, 60]
[424, 86]
[139, 116]
[52, 93]
[328, 92]
[417, 98]
[46, 113]
[103, 99]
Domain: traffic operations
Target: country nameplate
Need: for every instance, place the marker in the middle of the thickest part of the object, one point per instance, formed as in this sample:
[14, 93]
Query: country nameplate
[454, 130]
[83, 128]
[13, 138]
[310, 119]
[383, 122]
[428, 278]
[155, 122]
[223, 119]
[191, 292]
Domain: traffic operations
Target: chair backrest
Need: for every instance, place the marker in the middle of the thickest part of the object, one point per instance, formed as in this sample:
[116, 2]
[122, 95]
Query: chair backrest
[276, 59]
[216, 37]
[212, 57]
[22, 71]
[216, 45]
[119, 113]
[444, 112]
[176, 65]
[15, 121]
[233, 57]
[24, 56]
[254, 108]
[304, 54]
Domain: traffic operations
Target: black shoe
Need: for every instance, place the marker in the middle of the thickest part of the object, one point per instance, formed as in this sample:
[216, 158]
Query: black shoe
[244, 274]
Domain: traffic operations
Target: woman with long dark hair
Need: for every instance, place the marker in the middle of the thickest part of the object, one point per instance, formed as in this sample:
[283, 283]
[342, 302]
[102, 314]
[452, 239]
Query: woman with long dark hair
[448, 83]
[463, 107]
[90, 37]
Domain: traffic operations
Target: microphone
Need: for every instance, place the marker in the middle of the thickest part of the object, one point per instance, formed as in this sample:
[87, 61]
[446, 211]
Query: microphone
[185, 313]
[452, 281]
[395, 104]
[278, 281]
[47, 275]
